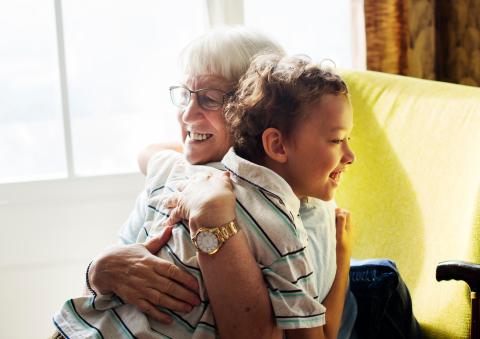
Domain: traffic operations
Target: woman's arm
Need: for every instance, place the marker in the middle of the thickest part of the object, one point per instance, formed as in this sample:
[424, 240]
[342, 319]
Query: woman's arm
[237, 292]
[235, 285]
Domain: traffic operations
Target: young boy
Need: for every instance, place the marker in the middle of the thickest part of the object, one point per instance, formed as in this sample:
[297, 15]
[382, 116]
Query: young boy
[290, 121]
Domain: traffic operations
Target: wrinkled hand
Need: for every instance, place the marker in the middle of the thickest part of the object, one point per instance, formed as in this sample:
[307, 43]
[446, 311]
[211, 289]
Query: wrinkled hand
[344, 235]
[140, 278]
[205, 199]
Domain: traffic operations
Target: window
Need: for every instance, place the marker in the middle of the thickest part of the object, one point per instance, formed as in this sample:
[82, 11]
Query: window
[31, 133]
[121, 58]
[84, 84]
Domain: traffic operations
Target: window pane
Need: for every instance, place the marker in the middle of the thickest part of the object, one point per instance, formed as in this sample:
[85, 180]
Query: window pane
[31, 129]
[121, 59]
[319, 28]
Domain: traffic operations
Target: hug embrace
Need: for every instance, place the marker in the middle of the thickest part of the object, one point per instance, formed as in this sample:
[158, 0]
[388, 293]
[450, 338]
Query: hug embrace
[238, 236]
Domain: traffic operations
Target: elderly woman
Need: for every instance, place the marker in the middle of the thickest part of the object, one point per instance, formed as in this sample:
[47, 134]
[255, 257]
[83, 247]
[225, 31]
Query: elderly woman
[212, 65]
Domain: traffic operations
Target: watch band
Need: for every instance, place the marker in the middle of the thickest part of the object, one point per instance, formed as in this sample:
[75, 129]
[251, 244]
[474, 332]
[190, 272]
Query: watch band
[225, 231]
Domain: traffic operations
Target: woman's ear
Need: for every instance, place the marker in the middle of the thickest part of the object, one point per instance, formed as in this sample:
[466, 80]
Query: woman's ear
[273, 145]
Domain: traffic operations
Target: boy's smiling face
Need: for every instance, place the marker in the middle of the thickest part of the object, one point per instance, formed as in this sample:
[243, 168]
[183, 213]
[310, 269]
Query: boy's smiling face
[318, 150]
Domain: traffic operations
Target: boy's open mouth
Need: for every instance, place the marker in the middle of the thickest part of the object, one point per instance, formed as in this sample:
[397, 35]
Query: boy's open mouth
[198, 136]
[335, 176]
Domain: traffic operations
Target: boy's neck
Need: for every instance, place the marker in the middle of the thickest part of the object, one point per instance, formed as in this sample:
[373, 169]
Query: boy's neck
[280, 169]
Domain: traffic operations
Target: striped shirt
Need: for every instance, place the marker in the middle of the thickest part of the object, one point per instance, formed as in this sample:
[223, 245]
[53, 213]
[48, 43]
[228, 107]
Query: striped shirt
[267, 212]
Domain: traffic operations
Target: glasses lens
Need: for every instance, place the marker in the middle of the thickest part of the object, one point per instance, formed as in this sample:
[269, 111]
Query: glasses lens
[211, 99]
[180, 96]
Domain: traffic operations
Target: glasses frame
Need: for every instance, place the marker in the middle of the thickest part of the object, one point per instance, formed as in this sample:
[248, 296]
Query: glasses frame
[224, 96]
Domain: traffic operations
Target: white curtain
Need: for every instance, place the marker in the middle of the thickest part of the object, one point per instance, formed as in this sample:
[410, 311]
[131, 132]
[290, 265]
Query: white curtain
[225, 12]
[359, 42]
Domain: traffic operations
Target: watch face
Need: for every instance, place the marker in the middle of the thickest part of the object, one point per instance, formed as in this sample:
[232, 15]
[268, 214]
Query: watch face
[207, 242]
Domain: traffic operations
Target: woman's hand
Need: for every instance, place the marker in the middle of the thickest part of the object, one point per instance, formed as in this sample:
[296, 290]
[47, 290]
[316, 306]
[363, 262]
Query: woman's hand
[206, 199]
[140, 278]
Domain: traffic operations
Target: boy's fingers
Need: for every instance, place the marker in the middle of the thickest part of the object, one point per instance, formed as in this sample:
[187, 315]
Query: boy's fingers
[340, 220]
[349, 224]
[342, 215]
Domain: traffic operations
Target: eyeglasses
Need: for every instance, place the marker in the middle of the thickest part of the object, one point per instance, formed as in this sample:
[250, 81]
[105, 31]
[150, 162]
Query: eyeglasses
[208, 98]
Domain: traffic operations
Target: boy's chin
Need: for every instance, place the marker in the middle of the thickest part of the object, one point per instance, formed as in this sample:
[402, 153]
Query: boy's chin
[325, 196]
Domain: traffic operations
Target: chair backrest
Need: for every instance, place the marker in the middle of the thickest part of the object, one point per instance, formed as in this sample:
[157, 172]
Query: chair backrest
[414, 191]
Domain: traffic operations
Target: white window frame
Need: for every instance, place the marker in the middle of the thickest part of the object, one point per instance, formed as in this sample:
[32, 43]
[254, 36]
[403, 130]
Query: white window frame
[62, 65]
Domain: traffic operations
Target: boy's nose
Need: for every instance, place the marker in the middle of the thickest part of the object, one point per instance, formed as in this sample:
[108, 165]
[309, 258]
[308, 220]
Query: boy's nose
[349, 155]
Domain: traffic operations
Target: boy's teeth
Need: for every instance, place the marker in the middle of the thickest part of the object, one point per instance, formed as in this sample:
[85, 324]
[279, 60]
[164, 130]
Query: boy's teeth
[335, 175]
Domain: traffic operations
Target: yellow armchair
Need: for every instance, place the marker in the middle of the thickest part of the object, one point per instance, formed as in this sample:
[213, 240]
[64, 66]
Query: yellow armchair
[414, 191]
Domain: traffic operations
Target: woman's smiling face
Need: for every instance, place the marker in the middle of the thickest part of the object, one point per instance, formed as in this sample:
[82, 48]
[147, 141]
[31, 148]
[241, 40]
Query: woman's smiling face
[204, 133]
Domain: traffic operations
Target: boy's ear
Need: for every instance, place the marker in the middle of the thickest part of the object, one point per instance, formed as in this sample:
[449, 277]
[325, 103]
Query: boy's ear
[273, 145]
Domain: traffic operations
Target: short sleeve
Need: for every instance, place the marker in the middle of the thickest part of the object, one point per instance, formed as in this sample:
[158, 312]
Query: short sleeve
[158, 170]
[293, 294]
[130, 229]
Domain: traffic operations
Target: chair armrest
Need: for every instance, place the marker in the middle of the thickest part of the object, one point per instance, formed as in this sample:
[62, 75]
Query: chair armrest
[460, 270]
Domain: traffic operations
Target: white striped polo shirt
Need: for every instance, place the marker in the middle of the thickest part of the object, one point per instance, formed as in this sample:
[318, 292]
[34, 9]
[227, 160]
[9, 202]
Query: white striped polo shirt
[267, 212]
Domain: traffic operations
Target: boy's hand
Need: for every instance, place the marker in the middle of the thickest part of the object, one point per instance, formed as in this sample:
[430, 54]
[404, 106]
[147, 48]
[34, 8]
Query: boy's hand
[344, 235]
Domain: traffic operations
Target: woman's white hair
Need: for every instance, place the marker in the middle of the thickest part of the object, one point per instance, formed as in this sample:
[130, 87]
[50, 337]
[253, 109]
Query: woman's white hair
[226, 52]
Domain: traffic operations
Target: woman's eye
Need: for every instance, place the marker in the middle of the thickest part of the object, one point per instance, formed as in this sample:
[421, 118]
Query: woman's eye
[208, 100]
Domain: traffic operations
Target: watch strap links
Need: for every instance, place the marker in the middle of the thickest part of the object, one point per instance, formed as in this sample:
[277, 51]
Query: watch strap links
[226, 231]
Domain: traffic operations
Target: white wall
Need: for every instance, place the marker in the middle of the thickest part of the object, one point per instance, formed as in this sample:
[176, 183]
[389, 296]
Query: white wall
[51, 231]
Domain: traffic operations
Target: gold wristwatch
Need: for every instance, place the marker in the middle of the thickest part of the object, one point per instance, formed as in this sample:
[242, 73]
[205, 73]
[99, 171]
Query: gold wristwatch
[209, 239]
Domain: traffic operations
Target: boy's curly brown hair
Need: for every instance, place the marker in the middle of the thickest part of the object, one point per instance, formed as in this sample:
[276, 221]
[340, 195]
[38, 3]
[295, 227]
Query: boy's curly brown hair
[274, 92]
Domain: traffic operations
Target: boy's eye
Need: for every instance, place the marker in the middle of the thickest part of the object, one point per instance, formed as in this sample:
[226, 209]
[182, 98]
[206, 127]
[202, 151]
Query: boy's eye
[339, 141]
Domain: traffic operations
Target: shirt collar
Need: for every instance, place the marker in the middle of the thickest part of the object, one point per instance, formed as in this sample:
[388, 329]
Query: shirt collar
[263, 178]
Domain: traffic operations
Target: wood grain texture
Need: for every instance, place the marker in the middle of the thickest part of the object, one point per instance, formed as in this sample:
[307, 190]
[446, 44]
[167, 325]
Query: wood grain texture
[458, 41]
[430, 39]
